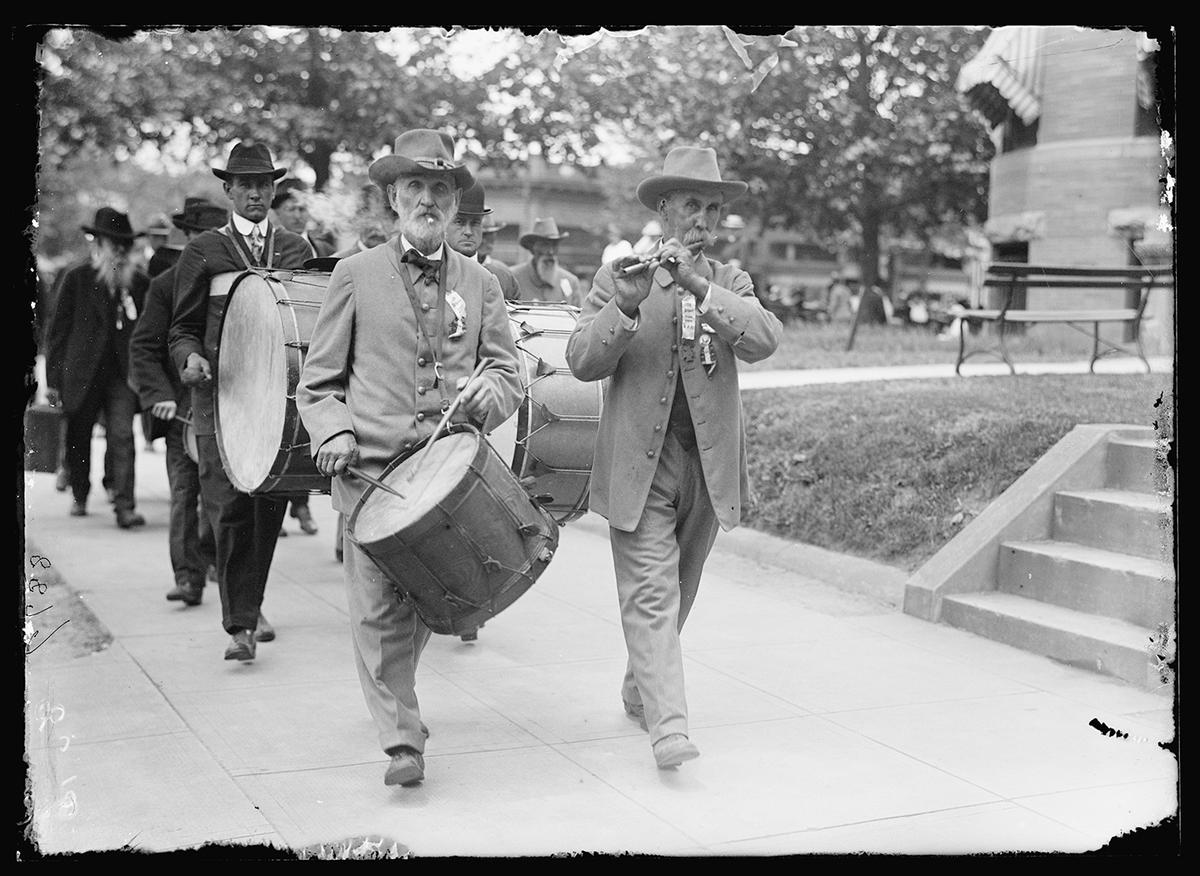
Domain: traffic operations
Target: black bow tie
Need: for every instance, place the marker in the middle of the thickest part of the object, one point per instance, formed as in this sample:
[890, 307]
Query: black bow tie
[428, 267]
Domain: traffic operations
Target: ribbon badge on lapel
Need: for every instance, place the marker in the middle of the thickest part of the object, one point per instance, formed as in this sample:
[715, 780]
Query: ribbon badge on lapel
[458, 315]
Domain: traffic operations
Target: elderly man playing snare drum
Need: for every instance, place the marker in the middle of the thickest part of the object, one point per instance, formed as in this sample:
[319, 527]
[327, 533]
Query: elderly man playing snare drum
[246, 526]
[670, 460]
[402, 328]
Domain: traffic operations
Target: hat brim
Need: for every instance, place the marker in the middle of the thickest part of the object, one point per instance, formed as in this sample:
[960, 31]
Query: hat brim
[226, 175]
[489, 228]
[383, 171]
[486, 212]
[112, 235]
[650, 190]
[528, 239]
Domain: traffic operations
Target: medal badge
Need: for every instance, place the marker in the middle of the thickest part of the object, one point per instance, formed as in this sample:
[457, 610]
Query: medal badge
[458, 315]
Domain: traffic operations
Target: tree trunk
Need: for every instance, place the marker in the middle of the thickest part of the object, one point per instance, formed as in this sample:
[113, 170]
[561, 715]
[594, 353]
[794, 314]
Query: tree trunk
[870, 305]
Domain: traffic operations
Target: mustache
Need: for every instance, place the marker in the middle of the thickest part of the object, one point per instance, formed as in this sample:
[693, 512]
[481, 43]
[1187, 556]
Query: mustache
[696, 235]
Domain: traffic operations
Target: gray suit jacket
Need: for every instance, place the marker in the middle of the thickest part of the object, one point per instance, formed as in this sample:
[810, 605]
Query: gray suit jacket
[645, 362]
[369, 371]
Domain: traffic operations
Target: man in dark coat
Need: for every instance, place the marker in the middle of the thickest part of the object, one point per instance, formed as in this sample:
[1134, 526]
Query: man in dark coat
[87, 361]
[247, 527]
[465, 235]
[153, 376]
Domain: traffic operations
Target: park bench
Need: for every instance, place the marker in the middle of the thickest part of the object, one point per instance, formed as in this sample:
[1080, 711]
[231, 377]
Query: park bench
[1013, 278]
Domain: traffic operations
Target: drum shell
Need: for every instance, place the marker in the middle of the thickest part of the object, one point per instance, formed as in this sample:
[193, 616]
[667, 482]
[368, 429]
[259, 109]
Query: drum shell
[471, 556]
[287, 467]
[553, 432]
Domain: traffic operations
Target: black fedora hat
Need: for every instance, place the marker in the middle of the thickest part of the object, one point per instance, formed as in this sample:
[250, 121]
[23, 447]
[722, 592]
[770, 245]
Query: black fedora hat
[421, 150]
[249, 159]
[199, 214]
[471, 203]
[112, 224]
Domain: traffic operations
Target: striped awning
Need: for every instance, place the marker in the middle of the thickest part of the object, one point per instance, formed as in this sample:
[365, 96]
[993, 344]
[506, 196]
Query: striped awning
[1006, 74]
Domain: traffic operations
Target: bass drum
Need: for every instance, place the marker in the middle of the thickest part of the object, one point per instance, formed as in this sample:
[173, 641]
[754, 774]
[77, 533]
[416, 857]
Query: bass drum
[550, 441]
[269, 318]
[464, 542]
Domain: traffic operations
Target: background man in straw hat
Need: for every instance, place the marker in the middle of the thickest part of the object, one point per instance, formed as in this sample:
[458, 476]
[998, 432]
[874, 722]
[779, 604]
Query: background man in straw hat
[465, 235]
[400, 331]
[542, 278]
[670, 458]
[87, 361]
[153, 376]
[246, 526]
[487, 245]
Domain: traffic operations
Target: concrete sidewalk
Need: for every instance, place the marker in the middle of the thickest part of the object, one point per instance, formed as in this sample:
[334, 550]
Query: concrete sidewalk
[828, 721]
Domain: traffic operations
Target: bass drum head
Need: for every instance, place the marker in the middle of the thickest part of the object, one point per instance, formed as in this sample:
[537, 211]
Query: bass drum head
[251, 383]
[423, 479]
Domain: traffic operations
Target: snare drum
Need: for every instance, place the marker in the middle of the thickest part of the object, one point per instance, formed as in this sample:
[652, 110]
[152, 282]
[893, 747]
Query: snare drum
[552, 436]
[465, 541]
[268, 321]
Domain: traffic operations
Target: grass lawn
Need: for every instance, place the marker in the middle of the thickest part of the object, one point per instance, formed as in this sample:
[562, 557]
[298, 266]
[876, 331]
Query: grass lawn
[892, 471]
[811, 345]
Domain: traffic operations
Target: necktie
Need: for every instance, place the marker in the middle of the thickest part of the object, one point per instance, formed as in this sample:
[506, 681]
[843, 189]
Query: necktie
[256, 244]
[428, 267]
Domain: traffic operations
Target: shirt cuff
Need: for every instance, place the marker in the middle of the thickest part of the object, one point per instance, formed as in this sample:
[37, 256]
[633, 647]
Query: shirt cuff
[629, 323]
[702, 303]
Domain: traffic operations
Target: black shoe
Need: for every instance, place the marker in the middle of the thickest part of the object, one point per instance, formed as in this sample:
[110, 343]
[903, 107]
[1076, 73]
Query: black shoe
[471, 636]
[241, 646]
[130, 519]
[78, 509]
[188, 594]
[264, 632]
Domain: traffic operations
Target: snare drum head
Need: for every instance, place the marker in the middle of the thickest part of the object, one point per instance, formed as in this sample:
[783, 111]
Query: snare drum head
[251, 382]
[423, 479]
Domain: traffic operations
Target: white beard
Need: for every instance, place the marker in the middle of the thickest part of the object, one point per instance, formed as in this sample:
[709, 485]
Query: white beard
[424, 234]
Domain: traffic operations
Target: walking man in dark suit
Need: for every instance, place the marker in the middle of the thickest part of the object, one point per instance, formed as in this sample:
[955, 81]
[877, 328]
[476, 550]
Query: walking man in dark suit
[153, 376]
[87, 361]
[670, 461]
[247, 527]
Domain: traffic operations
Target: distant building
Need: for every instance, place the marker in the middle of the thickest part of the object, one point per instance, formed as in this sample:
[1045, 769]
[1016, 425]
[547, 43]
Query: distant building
[1076, 177]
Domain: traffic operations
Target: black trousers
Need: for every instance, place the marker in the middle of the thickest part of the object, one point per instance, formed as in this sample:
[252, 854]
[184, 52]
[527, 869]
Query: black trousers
[247, 530]
[119, 404]
[193, 543]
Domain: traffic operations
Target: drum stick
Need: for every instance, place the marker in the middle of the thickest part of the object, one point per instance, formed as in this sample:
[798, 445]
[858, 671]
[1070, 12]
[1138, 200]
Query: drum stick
[375, 482]
[483, 363]
[651, 260]
[184, 420]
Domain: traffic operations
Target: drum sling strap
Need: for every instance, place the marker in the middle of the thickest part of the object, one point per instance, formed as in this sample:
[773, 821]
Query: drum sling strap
[239, 246]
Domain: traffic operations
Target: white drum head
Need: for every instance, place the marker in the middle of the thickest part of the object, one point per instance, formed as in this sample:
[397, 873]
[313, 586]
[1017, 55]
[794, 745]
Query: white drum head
[423, 480]
[251, 383]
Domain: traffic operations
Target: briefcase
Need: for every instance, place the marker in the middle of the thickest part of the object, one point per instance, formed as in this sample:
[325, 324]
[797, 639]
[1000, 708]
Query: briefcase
[43, 432]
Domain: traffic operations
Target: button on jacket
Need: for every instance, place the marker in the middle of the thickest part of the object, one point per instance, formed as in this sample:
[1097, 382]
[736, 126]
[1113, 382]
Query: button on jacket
[369, 369]
[645, 361]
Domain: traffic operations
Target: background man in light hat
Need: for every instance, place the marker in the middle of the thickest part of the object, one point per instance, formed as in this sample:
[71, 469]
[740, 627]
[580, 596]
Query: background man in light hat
[465, 235]
[542, 278]
[246, 526]
[670, 458]
[87, 361]
[487, 245]
[401, 329]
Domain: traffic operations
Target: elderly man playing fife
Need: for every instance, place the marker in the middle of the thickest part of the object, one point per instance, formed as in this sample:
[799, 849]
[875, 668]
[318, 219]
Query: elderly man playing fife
[399, 333]
[670, 458]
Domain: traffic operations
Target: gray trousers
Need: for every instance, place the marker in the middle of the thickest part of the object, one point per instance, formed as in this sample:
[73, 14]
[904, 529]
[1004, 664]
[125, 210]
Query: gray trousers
[658, 568]
[388, 639]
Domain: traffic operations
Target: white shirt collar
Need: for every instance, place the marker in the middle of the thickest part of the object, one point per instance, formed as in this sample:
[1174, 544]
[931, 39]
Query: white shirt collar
[245, 227]
[406, 245]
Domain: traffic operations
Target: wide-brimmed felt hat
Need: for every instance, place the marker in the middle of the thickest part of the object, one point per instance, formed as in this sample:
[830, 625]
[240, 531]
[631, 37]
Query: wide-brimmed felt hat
[285, 189]
[491, 225]
[420, 150]
[543, 229]
[247, 159]
[471, 203]
[200, 214]
[112, 224]
[689, 167]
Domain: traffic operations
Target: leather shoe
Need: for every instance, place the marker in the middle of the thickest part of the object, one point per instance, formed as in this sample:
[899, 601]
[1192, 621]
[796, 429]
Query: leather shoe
[130, 519]
[241, 646]
[407, 768]
[671, 751]
[305, 519]
[188, 594]
[265, 632]
[78, 509]
[636, 712]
